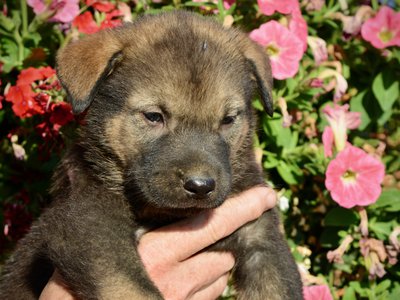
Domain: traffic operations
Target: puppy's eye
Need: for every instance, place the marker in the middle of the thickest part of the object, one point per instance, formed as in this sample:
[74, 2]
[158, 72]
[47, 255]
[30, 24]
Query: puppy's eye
[228, 120]
[154, 117]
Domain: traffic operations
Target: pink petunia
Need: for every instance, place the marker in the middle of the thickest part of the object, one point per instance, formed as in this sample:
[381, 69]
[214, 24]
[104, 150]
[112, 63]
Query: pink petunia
[317, 292]
[383, 30]
[38, 6]
[227, 3]
[63, 11]
[299, 27]
[318, 49]
[354, 178]
[340, 119]
[284, 48]
[67, 10]
[314, 5]
[327, 141]
[269, 7]
[339, 83]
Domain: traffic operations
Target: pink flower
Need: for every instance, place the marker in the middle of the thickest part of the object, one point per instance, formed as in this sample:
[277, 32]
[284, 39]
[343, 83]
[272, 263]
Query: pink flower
[227, 3]
[352, 24]
[383, 30]
[38, 6]
[354, 178]
[269, 7]
[340, 119]
[339, 83]
[318, 49]
[299, 27]
[63, 11]
[375, 254]
[317, 292]
[327, 141]
[284, 48]
[314, 5]
[286, 117]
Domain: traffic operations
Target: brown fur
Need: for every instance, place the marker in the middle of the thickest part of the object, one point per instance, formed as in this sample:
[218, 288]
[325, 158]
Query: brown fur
[126, 172]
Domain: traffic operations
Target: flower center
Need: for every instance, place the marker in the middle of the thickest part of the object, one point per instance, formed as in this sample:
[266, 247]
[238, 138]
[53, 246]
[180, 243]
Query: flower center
[272, 50]
[385, 35]
[349, 176]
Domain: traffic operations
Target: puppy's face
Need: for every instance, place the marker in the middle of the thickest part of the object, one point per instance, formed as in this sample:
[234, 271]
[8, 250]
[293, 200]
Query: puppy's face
[181, 122]
[173, 110]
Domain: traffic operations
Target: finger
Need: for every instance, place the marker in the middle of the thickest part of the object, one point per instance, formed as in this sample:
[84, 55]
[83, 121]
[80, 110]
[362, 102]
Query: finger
[213, 291]
[207, 227]
[205, 268]
[200, 271]
[55, 289]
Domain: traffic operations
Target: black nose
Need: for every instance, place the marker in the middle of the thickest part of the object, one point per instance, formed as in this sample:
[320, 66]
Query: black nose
[199, 186]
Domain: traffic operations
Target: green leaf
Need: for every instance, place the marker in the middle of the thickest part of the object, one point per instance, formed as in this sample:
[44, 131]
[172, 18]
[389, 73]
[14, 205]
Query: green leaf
[16, 17]
[330, 238]
[358, 288]
[396, 55]
[9, 54]
[385, 117]
[339, 216]
[271, 160]
[6, 23]
[383, 286]
[35, 37]
[381, 229]
[395, 294]
[388, 200]
[283, 135]
[288, 173]
[356, 104]
[257, 104]
[386, 89]
[349, 294]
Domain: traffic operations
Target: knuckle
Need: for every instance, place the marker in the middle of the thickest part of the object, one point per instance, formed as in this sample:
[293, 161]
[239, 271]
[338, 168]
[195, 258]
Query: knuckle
[217, 227]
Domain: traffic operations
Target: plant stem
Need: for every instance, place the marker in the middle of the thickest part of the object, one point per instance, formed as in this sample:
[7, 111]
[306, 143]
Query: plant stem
[20, 44]
[24, 17]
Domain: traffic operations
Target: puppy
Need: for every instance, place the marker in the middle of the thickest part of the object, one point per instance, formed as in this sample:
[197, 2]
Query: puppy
[168, 133]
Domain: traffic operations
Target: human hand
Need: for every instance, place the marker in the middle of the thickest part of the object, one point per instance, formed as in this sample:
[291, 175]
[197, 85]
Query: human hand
[170, 253]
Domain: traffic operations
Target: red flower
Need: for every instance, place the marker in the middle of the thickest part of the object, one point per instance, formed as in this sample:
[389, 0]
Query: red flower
[32, 93]
[29, 75]
[17, 219]
[24, 105]
[111, 20]
[85, 23]
[103, 6]
[1, 96]
[61, 113]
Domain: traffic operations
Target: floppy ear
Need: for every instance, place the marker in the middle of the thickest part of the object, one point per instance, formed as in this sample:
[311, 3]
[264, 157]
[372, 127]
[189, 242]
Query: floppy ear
[84, 64]
[261, 70]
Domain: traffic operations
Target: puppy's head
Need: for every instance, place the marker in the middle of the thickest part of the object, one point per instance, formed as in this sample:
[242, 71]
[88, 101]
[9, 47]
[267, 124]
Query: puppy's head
[168, 106]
